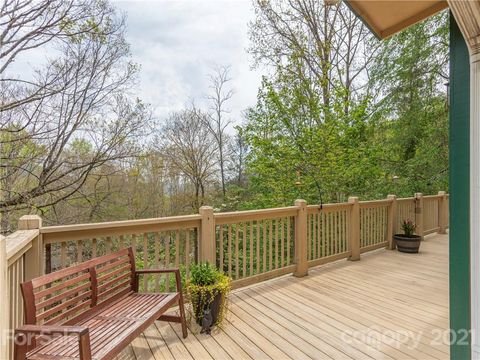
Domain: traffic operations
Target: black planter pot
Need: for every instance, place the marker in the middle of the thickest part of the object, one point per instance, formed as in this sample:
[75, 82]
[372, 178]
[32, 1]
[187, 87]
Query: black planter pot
[407, 243]
[213, 304]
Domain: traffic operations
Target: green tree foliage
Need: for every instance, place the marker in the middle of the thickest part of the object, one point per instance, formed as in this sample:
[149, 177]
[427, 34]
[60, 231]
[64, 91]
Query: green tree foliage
[391, 137]
[410, 75]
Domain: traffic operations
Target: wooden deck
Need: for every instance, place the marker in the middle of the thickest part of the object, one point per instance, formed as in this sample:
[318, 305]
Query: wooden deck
[387, 306]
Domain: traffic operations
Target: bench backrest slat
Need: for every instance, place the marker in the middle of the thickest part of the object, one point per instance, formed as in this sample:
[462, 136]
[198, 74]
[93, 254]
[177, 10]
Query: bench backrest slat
[66, 296]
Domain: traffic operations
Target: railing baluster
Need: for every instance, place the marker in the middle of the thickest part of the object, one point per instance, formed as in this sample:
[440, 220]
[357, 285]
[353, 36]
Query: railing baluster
[94, 248]
[270, 236]
[258, 270]
[264, 243]
[276, 242]
[244, 250]
[237, 271]
[282, 242]
[156, 239]
[220, 244]
[145, 261]
[288, 241]
[167, 261]
[79, 251]
[314, 236]
[310, 241]
[187, 253]
[229, 249]
[63, 255]
[177, 248]
[335, 226]
[108, 245]
[251, 248]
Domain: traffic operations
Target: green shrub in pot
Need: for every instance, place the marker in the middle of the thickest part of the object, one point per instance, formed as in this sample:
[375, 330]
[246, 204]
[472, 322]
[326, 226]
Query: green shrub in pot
[208, 291]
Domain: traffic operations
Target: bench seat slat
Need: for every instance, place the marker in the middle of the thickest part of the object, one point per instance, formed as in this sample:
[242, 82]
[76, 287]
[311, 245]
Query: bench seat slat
[113, 326]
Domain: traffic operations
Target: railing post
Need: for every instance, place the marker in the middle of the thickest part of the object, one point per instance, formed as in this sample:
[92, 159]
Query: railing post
[354, 230]
[392, 217]
[419, 214]
[34, 256]
[442, 212]
[4, 295]
[301, 251]
[207, 236]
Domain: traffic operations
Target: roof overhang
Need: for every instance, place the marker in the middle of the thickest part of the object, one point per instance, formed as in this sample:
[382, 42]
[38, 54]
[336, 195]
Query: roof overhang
[387, 17]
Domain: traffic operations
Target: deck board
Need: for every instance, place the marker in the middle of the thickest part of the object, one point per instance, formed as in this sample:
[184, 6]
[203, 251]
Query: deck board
[388, 305]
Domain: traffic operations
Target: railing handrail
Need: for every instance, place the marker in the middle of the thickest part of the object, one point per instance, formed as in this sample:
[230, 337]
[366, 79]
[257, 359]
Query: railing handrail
[406, 199]
[374, 203]
[80, 231]
[18, 243]
[260, 214]
[328, 207]
[432, 196]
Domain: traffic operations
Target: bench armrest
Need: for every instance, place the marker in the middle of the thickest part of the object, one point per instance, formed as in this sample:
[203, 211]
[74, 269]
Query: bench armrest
[178, 279]
[157, 271]
[52, 330]
[80, 331]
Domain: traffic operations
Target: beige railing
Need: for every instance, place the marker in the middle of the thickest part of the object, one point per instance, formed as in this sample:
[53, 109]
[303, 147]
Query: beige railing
[249, 246]
[19, 261]
[255, 245]
[328, 232]
[163, 242]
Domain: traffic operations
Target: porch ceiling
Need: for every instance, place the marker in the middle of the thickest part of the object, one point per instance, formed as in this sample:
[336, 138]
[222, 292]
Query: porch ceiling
[388, 17]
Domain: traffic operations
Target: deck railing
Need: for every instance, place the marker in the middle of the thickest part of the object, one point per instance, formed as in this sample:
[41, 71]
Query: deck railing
[249, 246]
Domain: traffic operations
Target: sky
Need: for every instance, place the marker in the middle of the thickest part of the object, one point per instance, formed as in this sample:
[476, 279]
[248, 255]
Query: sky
[177, 42]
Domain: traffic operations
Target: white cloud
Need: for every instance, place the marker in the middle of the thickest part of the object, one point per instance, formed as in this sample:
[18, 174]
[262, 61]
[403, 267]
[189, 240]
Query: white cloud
[177, 43]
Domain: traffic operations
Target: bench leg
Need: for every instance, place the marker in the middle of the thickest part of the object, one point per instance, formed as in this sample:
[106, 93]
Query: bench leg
[20, 348]
[84, 347]
[181, 307]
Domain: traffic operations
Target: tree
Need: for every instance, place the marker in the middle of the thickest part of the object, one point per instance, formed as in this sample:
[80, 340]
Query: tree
[409, 76]
[85, 103]
[189, 148]
[330, 45]
[293, 154]
[238, 151]
[217, 122]
[27, 25]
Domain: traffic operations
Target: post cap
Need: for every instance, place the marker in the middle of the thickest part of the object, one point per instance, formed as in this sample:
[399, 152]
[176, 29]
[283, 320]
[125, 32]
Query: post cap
[29, 222]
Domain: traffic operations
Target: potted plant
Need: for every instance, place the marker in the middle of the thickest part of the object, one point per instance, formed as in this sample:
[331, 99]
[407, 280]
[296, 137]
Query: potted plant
[407, 242]
[207, 291]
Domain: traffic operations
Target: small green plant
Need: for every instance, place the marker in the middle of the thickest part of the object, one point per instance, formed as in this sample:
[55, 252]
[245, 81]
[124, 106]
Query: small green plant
[408, 227]
[204, 285]
[204, 274]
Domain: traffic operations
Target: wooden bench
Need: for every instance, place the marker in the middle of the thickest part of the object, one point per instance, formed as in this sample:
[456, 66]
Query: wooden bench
[92, 310]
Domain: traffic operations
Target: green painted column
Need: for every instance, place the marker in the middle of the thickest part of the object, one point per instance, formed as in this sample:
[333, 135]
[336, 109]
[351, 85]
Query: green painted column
[459, 193]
